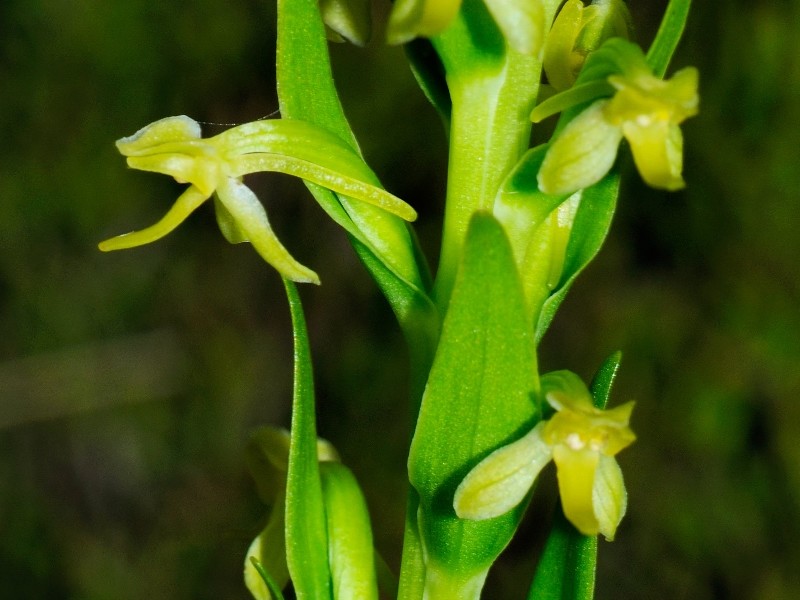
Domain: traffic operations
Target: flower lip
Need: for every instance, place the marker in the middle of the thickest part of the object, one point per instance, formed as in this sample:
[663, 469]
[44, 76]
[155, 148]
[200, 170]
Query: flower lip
[645, 95]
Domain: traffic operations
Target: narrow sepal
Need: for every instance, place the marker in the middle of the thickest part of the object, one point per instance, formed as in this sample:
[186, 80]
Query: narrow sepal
[582, 154]
[185, 205]
[251, 219]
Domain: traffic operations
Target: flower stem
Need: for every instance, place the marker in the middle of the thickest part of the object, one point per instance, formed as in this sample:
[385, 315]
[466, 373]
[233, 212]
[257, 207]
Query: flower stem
[490, 130]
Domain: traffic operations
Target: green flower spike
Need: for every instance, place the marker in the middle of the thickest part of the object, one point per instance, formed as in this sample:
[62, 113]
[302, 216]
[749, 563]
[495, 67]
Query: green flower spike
[215, 166]
[582, 441]
[644, 110]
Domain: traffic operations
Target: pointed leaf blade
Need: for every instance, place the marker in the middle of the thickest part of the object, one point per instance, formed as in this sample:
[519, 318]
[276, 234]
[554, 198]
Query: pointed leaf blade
[479, 396]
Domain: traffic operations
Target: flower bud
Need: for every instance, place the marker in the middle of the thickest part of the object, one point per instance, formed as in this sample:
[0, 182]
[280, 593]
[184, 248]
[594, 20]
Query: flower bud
[576, 32]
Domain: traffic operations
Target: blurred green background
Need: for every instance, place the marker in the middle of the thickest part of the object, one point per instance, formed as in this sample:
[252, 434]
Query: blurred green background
[129, 382]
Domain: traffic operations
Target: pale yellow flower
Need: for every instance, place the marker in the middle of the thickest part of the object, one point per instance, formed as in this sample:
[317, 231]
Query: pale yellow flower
[582, 441]
[215, 166]
[646, 111]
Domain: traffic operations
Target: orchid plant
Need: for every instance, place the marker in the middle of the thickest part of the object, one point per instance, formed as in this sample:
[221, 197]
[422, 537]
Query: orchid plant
[520, 224]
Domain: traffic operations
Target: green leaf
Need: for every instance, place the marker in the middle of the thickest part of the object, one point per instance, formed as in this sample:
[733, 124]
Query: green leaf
[429, 72]
[520, 206]
[350, 549]
[306, 537]
[306, 91]
[412, 566]
[589, 231]
[480, 395]
[604, 379]
[668, 36]
[566, 570]
[303, 69]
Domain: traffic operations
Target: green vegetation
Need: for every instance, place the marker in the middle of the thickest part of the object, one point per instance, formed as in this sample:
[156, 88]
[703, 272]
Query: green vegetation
[130, 382]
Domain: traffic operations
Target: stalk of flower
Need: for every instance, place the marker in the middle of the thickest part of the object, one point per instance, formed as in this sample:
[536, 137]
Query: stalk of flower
[215, 166]
[582, 441]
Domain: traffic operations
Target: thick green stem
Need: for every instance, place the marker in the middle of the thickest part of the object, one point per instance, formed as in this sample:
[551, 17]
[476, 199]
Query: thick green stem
[493, 91]
[490, 130]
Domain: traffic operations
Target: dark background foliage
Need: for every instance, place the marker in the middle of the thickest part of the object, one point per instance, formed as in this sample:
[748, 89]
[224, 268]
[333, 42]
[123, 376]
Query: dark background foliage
[129, 382]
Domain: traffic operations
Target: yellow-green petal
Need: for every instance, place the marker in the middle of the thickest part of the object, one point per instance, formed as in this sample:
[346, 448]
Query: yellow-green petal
[183, 207]
[350, 547]
[609, 497]
[565, 391]
[582, 154]
[169, 129]
[603, 19]
[251, 218]
[615, 421]
[657, 148]
[560, 62]
[577, 32]
[576, 474]
[501, 480]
